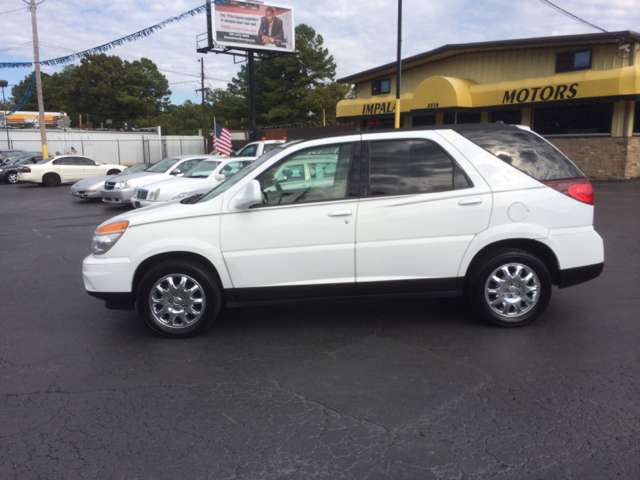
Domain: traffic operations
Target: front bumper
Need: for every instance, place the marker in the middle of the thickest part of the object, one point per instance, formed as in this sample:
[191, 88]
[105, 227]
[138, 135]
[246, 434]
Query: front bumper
[83, 193]
[120, 195]
[107, 275]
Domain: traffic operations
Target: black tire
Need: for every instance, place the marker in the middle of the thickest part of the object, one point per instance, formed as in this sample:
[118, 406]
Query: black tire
[11, 177]
[509, 287]
[51, 180]
[113, 172]
[187, 282]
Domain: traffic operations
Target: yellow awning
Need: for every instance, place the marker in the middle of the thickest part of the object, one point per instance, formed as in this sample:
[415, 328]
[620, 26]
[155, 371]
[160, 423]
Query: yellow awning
[438, 92]
[564, 86]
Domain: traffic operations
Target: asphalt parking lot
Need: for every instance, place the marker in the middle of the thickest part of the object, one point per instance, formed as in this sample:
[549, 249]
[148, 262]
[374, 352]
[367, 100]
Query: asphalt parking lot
[364, 389]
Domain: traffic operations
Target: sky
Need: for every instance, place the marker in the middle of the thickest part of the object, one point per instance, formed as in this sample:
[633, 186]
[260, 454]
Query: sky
[360, 34]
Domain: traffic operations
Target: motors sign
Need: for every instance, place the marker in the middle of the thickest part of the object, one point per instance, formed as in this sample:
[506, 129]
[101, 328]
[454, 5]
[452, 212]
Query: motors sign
[550, 92]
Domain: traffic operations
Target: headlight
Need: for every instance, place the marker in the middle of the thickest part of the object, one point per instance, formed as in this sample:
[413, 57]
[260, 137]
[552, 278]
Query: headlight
[157, 194]
[122, 185]
[107, 235]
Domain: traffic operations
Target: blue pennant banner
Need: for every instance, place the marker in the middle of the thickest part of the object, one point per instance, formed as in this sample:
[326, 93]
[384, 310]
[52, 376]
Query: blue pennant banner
[108, 46]
[26, 94]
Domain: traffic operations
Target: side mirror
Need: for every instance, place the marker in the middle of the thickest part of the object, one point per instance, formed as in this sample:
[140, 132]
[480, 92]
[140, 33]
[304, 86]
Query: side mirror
[220, 177]
[176, 172]
[250, 195]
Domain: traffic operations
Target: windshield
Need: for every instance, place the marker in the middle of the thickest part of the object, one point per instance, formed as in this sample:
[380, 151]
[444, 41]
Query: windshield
[13, 159]
[202, 170]
[222, 187]
[163, 165]
[138, 167]
[45, 160]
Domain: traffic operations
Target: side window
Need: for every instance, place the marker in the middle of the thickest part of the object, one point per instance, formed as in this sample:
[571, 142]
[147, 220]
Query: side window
[84, 161]
[64, 161]
[231, 168]
[248, 151]
[405, 167]
[290, 180]
[269, 146]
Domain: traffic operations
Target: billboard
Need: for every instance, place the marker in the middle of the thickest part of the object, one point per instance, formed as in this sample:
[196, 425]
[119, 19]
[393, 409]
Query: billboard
[247, 24]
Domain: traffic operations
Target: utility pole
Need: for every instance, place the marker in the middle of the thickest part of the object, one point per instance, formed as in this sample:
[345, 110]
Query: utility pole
[399, 65]
[202, 89]
[36, 62]
[4, 83]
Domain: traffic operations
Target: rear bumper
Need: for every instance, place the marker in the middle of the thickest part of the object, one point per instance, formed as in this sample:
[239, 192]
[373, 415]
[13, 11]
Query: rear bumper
[578, 275]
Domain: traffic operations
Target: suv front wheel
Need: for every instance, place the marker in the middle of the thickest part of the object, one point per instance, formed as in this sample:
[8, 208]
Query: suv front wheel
[509, 287]
[178, 298]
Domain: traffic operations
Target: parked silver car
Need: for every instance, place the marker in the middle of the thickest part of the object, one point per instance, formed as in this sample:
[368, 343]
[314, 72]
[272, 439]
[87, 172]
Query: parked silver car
[121, 190]
[90, 187]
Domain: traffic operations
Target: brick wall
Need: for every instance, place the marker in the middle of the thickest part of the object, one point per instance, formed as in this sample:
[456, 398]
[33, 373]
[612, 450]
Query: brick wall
[603, 158]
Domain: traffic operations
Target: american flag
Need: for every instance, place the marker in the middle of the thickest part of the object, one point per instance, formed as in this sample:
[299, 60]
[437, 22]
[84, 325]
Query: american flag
[222, 139]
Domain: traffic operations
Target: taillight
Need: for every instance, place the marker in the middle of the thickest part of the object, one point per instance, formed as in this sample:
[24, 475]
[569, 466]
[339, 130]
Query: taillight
[25, 170]
[578, 188]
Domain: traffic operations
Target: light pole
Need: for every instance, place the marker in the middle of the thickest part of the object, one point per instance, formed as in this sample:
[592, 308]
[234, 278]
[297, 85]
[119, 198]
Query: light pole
[4, 83]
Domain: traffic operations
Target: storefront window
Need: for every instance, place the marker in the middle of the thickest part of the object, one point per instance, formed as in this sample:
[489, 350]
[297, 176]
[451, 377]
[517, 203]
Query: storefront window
[423, 120]
[449, 118]
[636, 119]
[509, 117]
[457, 118]
[592, 118]
[468, 117]
[378, 123]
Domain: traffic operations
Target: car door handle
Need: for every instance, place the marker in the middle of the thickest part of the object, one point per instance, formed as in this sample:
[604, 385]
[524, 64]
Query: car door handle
[340, 213]
[470, 201]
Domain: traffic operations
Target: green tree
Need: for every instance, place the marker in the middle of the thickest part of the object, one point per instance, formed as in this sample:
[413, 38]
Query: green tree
[51, 86]
[145, 91]
[290, 88]
[102, 87]
[229, 109]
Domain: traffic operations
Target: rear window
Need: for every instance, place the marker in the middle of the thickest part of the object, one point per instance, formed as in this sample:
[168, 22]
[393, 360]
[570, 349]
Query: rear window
[525, 151]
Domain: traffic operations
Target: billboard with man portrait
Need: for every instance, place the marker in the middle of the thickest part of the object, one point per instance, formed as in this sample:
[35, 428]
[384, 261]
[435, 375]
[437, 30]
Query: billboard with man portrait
[246, 24]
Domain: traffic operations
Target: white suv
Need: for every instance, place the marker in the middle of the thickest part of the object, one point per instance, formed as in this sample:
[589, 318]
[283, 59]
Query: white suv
[491, 212]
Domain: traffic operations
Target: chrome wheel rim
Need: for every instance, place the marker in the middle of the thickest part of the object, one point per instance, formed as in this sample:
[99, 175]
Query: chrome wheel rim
[12, 177]
[177, 301]
[512, 290]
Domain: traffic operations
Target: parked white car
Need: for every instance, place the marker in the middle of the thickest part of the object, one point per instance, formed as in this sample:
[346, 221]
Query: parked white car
[492, 212]
[200, 179]
[59, 169]
[257, 149]
[121, 190]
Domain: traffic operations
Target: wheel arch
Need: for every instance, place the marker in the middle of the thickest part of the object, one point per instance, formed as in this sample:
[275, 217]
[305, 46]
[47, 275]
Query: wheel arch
[149, 262]
[540, 250]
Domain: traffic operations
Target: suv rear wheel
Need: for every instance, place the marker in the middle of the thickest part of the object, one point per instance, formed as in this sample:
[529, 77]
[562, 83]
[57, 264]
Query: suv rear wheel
[510, 287]
[178, 298]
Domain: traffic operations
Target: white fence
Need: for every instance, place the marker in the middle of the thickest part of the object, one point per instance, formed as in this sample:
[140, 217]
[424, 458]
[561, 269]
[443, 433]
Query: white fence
[124, 148]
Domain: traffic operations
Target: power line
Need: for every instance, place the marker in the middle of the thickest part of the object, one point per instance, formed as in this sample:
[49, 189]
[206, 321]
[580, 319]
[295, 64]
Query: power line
[192, 75]
[571, 15]
[16, 47]
[16, 10]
